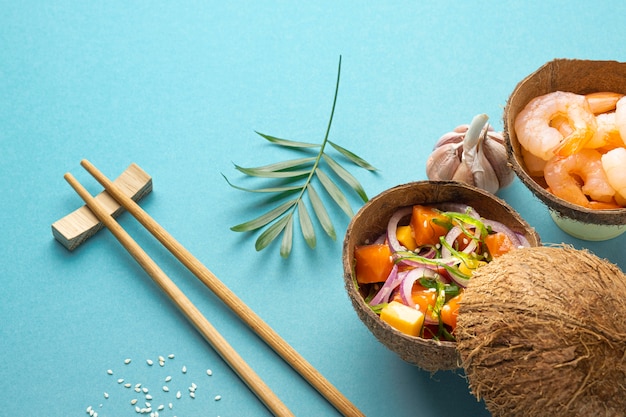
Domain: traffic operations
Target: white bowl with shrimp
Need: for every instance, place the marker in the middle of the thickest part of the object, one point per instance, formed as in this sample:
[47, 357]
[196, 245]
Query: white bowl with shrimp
[565, 131]
[381, 215]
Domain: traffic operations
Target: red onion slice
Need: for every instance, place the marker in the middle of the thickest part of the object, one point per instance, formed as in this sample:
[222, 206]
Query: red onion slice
[392, 227]
[392, 281]
[499, 227]
[409, 279]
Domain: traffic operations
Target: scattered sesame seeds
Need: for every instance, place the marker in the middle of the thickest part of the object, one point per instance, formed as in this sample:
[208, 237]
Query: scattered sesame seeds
[148, 408]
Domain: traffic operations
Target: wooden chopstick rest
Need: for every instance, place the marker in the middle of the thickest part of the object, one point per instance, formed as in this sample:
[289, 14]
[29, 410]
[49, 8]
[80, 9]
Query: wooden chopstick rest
[72, 230]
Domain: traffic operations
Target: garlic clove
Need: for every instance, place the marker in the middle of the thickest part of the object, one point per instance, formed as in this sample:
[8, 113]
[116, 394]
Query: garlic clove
[495, 152]
[463, 174]
[484, 175]
[443, 162]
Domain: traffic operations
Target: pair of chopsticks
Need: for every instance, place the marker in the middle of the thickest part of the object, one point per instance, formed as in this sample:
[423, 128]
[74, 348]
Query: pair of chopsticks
[245, 313]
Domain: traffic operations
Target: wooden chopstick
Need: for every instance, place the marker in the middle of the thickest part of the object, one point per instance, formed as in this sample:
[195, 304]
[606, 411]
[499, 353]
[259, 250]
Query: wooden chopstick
[221, 346]
[245, 313]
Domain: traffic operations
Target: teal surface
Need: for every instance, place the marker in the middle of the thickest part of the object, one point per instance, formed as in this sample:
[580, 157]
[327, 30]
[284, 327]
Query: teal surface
[180, 88]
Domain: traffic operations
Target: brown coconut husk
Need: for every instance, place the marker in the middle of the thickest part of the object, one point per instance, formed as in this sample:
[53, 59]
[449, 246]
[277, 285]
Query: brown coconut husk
[571, 75]
[371, 221]
[542, 332]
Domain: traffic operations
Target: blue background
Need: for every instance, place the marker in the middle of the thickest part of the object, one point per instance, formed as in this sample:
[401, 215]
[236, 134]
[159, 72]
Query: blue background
[179, 88]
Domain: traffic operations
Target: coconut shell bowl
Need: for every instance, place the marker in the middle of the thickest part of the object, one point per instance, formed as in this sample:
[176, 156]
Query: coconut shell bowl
[581, 77]
[372, 221]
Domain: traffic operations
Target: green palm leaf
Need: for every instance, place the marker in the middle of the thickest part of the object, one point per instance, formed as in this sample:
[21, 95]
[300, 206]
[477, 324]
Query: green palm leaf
[264, 219]
[353, 157]
[346, 176]
[334, 192]
[295, 176]
[321, 213]
[271, 233]
[306, 226]
[287, 242]
[288, 143]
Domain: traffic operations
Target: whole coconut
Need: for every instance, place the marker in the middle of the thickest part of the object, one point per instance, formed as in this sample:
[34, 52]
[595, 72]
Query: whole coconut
[542, 332]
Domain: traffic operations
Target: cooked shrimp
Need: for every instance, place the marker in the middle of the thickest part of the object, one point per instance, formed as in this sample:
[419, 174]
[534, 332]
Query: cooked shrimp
[577, 176]
[603, 101]
[613, 163]
[620, 117]
[607, 135]
[534, 132]
[534, 165]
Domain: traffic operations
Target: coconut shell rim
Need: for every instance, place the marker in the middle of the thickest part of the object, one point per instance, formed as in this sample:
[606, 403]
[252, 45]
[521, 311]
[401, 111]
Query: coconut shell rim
[451, 359]
[546, 79]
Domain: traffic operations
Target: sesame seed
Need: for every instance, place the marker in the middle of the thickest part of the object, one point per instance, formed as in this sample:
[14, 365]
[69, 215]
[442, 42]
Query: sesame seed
[192, 394]
[145, 390]
[160, 407]
[106, 395]
[178, 394]
[110, 372]
[119, 381]
[148, 405]
[168, 378]
[137, 389]
[148, 397]
[127, 361]
[184, 369]
[170, 405]
[218, 397]
[166, 388]
[209, 372]
[127, 385]
[171, 356]
[149, 362]
[89, 409]
[193, 385]
[161, 359]
[133, 401]
[137, 409]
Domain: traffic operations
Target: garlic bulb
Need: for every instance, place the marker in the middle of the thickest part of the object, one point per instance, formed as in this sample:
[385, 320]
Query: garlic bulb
[474, 154]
